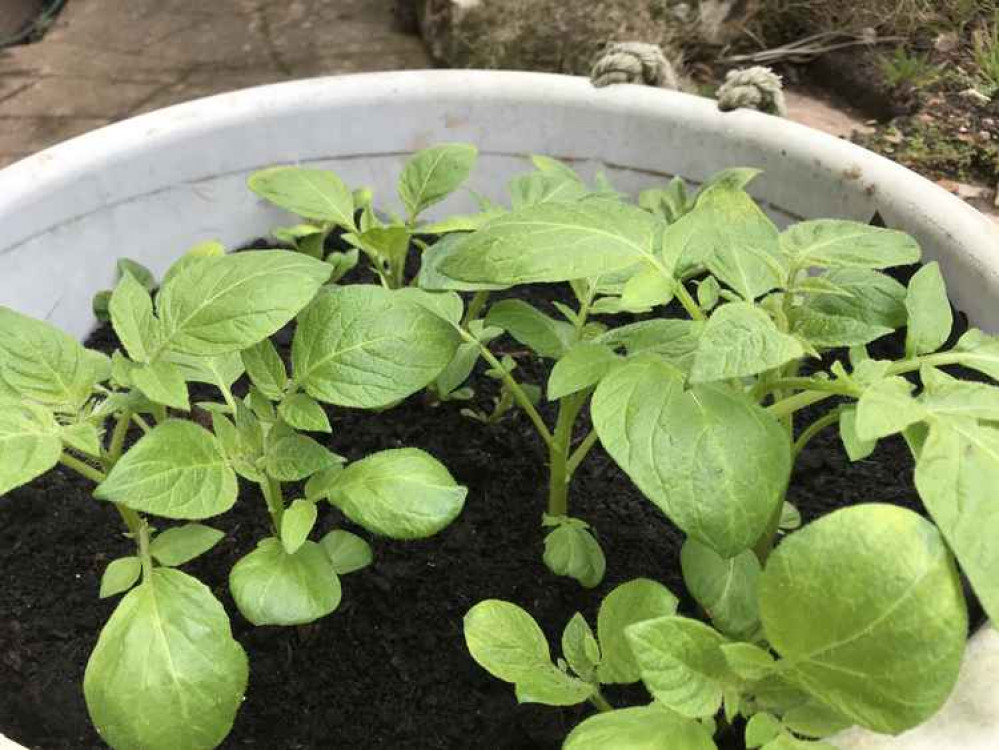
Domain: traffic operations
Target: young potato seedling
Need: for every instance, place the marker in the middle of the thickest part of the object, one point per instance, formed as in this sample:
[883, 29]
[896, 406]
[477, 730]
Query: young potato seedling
[166, 673]
[858, 617]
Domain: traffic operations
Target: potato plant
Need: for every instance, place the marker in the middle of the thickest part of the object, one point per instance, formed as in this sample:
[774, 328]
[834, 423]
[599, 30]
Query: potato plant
[166, 672]
[857, 618]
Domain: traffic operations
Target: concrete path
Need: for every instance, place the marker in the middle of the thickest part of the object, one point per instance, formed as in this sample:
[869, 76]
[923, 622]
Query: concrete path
[105, 60]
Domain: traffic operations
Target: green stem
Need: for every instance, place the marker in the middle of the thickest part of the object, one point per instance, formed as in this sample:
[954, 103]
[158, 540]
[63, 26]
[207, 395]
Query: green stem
[142, 534]
[581, 451]
[598, 700]
[798, 401]
[118, 438]
[475, 306]
[934, 360]
[81, 468]
[814, 429]
[764, 546]
[558, 453]
[800, 384]
[159, 413]
[518, 393]
[142, 424]
[275, 500]
[693, 309]
[226, 392]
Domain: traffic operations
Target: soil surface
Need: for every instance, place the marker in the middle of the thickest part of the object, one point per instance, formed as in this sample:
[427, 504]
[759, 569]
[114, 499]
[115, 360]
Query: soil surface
[389, 669]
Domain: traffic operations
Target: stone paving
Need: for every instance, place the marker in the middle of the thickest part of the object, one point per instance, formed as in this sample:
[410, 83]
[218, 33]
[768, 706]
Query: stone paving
[105, 60]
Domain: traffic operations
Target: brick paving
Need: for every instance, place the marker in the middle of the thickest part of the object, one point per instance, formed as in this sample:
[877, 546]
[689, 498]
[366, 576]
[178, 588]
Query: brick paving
[105, 60]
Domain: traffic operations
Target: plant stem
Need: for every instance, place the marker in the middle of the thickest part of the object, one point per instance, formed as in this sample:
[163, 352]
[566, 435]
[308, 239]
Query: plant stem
[518, 393]
[693, 309]
[142, 534]
[934, 360]
[118, 439]
[581, 451]
[764, 546]
[558, 453]
[275, 501]
[798, 401]
[478, 301]
[81, 468]
[143, 424]
[801, 384]
[598, 700]
[814, 429]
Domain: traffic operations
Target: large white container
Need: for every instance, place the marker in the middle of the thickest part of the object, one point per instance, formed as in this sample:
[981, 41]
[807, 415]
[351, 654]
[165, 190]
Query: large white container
[149, 187]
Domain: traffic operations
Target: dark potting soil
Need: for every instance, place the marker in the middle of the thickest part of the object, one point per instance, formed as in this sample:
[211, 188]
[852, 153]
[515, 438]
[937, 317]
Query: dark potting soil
[389, 669]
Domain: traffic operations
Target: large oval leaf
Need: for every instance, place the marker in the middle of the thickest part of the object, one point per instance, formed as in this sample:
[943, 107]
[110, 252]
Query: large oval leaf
[176, 471]
[506, 641]
[41, 363]
[228, 303]
[402, 493]
[712, 460]
[368, 347]
[29, 443]
[166, 673]
[432, 174]
[837, 243]
[272, 587]
[682, 664]
[739, 340]
[554, 242]
[309, 193]
[640, 728]
[631, 602]
[878, 623]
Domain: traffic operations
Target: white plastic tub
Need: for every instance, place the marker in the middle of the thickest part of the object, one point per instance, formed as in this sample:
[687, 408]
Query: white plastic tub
[152, 186]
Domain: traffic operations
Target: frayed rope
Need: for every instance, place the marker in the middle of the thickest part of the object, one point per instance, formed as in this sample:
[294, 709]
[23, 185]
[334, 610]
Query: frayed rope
[634, 62]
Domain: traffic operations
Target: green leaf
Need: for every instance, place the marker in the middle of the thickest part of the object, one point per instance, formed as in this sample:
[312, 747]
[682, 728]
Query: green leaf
[788, 742]
[762, 728]
[641, 728]
[629, 603]
[847, 244]
[814, 719]
[739, 340]
[401, 493]
[120, 575]
[979, 352]
[129, 267]
[957, 472]
[272, 587]
[347, 552]
[554, 242]
[445, 305]
[579, 646]
[131, 310]
[930, 317]
[748, 661]
[552, 687]
[790, 517]
[726, 589]
[83, 437]
[432, 174]
[532, 328]
[166, 673]
[320, 484]
[681, 663]
[856, 448]
[461, 223]
[432, 279]
[291, 457]
[674, 340]
[887, 407]
[742, 242]
[224, 369]
[162, 383]
[182, 544]
[647, 289]
[242, 445]
[506, 641]
[582, 367]
[266, 369]
[873, 307]
[175, 471]
[309, 193]
[708, 293]
[458, 370]
[226, 304]
[40, 363]
[572, 551]
[369, 347]
[196, 254]
[535, 188]
[30, 443]
[296, 524]
[879, 623]
[947, 396]
[303, 413]
[711, 459]
[387, 245]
